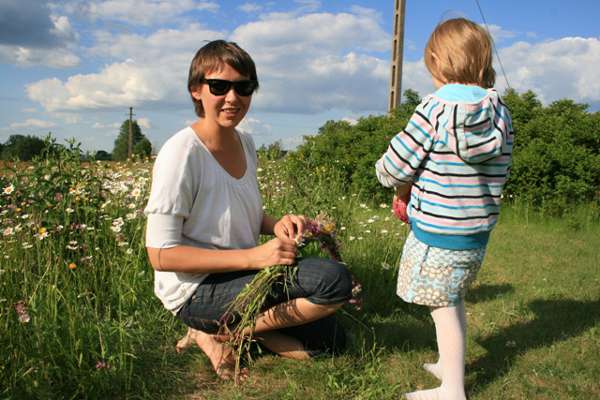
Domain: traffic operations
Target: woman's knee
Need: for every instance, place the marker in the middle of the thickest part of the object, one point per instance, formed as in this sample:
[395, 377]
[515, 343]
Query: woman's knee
[326, 281]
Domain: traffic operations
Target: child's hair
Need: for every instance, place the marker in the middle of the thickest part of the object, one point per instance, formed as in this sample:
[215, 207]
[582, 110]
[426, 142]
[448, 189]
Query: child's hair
[460, 51]
[212, 57]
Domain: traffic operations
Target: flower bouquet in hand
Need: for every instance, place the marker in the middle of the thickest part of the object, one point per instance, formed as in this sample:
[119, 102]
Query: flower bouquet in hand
[249, 303]
[322, 230]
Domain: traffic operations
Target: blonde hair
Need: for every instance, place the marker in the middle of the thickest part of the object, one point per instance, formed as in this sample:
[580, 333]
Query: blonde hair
[460, 51]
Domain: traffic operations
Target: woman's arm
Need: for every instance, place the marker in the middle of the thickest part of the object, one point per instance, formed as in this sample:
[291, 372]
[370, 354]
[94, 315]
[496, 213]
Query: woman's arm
[197, 260]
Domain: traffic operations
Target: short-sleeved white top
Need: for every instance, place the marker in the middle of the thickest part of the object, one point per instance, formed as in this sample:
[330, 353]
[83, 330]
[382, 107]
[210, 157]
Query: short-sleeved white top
[195, 202]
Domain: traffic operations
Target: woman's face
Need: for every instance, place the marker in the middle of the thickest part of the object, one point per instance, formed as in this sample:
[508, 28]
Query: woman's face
[226, 110]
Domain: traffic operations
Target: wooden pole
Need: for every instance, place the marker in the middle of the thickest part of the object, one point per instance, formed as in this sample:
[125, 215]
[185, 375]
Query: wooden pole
[397, 50]
[130, 142]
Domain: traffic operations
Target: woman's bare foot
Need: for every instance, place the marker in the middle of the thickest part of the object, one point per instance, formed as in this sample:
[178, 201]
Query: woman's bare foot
[219, 353]
[186, 341]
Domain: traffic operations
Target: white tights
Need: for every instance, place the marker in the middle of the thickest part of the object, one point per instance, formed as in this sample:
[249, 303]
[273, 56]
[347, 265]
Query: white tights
[450, 330]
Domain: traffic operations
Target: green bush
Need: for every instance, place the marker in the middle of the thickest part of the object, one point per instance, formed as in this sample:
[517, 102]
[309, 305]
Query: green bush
[354, 149]
[556, 160]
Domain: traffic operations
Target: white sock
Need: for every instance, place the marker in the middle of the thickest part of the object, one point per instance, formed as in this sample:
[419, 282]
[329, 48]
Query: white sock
[450, 333]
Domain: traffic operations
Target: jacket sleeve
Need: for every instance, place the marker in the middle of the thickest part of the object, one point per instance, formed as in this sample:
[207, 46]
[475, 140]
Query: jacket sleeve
[406, 151]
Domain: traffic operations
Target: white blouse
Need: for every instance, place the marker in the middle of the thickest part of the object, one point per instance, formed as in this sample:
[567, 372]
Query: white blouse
[195, 202]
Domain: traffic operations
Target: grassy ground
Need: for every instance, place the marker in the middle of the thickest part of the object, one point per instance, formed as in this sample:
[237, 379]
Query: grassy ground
[78, 318]
[533, 315]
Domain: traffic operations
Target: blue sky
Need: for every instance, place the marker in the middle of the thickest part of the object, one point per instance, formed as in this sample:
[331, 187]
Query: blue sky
[73, 67]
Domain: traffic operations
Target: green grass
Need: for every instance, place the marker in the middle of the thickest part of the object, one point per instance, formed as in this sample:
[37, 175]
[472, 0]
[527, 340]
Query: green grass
[533, 315]
[97, 331]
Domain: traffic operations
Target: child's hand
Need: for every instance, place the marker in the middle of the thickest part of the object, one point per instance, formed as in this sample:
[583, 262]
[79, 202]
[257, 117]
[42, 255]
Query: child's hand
[400, 203]
[399, 209]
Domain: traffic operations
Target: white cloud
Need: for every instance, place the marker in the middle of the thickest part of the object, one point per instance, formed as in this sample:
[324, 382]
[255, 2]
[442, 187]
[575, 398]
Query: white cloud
[55, 49]
[499, 34]
[309, 63]
[144, 123]
[117, 85]
[62, 28]
[144, 12]
[416, 77]
[350, 120]
[33, 123]
[155, 70]
[308, 5]
[68, 117]
[250, 8]
[100, 125]
[255, 127]
[154, 48]
[317, 62]
[28, 56]
[291, 142]
[557, 69]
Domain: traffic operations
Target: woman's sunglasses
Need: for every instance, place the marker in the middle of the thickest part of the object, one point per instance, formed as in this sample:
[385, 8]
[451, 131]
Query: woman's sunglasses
[219, 87]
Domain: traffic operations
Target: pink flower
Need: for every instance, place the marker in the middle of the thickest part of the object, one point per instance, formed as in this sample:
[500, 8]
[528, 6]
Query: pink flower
[101, 364]
[21, 309]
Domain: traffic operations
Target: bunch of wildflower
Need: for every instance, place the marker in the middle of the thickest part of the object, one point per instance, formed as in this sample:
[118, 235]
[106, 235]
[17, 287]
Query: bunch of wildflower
[244, 310]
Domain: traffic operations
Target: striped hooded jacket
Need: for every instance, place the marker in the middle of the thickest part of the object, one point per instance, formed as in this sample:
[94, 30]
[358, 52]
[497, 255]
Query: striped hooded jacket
[456, 150]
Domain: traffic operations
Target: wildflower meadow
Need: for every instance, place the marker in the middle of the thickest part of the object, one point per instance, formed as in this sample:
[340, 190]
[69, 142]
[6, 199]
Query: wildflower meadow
[78, 318]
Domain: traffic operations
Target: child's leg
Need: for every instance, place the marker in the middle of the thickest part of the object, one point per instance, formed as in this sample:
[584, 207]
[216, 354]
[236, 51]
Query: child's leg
[451, 345]
[436, 369]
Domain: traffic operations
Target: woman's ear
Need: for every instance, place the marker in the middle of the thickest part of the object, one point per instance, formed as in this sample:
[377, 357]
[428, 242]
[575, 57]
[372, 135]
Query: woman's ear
[196, 92]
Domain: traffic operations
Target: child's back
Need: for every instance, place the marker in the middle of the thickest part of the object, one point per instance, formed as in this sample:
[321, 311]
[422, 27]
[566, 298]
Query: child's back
[457, 149]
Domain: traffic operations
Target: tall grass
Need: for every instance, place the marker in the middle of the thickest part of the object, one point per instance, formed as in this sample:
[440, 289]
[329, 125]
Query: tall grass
[72, 254]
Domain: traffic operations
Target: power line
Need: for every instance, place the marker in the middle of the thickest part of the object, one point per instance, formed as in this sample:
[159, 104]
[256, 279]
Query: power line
[493, 44]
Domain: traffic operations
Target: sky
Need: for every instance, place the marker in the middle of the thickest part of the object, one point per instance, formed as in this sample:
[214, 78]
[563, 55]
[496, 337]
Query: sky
[74, 67]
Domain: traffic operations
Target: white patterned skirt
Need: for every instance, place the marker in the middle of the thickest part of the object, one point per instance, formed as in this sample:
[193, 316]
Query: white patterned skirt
[436, 277]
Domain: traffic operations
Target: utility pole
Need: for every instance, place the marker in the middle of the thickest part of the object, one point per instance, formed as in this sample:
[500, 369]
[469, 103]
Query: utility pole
[130, 143]
[397, 50]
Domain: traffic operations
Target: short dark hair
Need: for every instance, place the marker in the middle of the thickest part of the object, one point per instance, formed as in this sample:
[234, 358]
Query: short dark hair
[212, 57]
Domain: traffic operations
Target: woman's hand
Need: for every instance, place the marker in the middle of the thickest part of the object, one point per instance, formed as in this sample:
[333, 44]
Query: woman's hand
[290, 227]
[275, 252]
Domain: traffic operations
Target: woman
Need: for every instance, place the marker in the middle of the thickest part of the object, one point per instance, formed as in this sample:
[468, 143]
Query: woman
[205, 216]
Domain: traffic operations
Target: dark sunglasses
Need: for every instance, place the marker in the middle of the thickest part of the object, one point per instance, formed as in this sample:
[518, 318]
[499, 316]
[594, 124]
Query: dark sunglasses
[219, 87]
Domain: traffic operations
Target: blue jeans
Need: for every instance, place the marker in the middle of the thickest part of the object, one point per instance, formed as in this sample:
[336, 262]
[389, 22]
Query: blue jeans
[320, 281]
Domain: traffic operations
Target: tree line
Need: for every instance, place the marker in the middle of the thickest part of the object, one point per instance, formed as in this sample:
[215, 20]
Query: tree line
[556, 156]
[26, 147]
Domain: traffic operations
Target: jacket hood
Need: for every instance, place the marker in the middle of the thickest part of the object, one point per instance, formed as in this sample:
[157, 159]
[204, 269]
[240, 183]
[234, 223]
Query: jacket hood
[479, 132]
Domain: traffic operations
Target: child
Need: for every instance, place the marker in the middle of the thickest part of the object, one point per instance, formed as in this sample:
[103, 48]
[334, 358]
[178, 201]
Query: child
[455, 152]
[205, 216]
